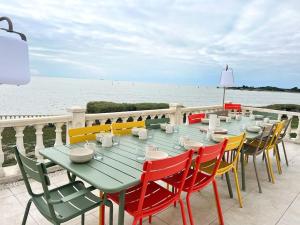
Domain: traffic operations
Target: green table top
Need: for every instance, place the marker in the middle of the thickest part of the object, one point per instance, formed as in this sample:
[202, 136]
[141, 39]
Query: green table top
[120, 169]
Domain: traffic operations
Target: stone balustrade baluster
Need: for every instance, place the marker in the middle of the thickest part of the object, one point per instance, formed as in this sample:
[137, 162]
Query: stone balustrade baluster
[297, 139]
[39, 141]
[90, 123]
[58, 132]
[2, 174]
[279, 117]
[289, 129]
[19, 139]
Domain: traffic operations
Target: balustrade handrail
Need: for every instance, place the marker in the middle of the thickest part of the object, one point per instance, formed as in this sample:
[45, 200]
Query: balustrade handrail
[34, 121]
[258, 109]
[201, 108]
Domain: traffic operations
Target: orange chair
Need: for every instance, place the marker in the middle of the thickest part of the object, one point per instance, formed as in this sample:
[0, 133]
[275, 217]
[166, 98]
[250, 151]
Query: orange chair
[149, 197]
[196, 180]
[196, 118]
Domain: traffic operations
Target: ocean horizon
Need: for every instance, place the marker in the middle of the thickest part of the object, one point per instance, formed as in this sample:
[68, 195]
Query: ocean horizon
[53, 95]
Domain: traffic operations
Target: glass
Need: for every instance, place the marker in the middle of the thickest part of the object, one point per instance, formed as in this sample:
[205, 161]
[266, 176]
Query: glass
[116, 140]
[150, 133]
[141, 156]
[176, 128]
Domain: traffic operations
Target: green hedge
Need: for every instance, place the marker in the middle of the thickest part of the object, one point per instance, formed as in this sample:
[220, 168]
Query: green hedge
[106, 107]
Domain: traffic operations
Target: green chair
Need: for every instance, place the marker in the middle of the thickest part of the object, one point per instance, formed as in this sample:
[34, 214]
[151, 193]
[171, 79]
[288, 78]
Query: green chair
[155, 123]
[60, 204]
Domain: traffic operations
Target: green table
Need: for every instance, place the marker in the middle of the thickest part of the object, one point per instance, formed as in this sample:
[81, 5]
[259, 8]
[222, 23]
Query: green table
[120, 169]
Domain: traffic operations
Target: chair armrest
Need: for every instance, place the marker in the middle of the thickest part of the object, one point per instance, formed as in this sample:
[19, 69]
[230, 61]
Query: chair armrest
[72, 196]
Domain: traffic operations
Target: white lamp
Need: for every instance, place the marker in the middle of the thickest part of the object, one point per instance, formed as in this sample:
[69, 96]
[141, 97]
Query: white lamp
[14, 59]
[227, 80]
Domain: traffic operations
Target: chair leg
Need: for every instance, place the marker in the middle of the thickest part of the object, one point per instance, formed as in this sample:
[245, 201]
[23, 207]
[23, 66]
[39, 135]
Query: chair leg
[277, 159]
[285, 155]
[256, 174]
[220, 214]
[267, 168]
[82, 219]
[237, 187]
[270, 167]
[135, 221]
[150, 219]
[26, 212]
[188, 203]
[111, 212]
[101, 210]
[182, 211]
[229, 185]
[141, 221]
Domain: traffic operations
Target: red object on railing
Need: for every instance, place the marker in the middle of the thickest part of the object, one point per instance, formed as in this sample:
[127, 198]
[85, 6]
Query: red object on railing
[196, 180]
[148, 197]
[196, 118]
[231, 106]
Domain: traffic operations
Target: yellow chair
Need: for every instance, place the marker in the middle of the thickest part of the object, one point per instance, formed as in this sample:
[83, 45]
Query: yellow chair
[273, 146]
[83, 134]
[234, 146]
[125, 128]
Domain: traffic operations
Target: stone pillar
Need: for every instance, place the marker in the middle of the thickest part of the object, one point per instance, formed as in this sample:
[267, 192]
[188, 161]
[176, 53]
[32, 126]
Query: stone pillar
[78, 119]
[297, 139]
[176, 118]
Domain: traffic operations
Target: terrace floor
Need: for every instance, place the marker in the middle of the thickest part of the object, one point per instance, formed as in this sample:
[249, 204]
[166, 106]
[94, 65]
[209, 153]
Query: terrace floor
[278, 204]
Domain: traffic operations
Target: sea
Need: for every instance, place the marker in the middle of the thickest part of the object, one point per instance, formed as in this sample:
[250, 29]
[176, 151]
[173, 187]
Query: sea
[53, 95]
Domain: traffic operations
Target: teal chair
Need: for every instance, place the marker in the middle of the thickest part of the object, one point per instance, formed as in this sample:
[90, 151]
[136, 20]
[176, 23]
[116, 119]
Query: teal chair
[155, 123]
[60, 204]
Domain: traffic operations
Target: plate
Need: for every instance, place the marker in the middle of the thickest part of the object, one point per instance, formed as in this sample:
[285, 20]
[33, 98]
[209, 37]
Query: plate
[218, 137]
[190, 144]
[155, 155]
[81, 155]
[253, 129]
[205, 121]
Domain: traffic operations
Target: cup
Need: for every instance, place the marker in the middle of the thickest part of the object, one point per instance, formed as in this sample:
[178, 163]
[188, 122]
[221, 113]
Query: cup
[143, 134]
[107, 140]
[213, 121]
[228, 119]
[169, 129]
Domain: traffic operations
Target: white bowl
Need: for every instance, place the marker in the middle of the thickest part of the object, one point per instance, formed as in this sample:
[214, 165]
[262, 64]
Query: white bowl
[218, 137]
[155, 155]
[190, 144]
[81, 155]
[259, 117]
[205, 121]
[253, 129]
[220, 131]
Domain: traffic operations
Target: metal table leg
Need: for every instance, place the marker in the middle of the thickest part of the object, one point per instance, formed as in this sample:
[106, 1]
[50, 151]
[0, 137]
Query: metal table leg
[121, 207]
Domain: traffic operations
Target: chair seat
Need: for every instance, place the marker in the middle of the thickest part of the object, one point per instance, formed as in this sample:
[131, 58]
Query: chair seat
[155, 195]
[200, 181]
[208, 167]
[67, 210]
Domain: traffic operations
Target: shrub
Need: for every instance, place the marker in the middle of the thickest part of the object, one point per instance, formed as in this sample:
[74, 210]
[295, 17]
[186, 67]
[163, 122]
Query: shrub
[106, 107]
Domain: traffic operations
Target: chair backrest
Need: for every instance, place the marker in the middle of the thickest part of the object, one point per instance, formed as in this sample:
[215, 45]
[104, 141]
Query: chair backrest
[211, 156]
[125, 128]
[196, 118]
[37, 171]
[264, 139]
[159, 169]
[155, 123]
[83, 134]
[231, 106]
[277, 132]
[235, 143]
[286, 126]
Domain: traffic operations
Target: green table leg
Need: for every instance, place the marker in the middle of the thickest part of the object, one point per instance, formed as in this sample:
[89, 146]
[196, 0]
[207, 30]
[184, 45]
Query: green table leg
[243, 171]
[229, 184]
[121, 207]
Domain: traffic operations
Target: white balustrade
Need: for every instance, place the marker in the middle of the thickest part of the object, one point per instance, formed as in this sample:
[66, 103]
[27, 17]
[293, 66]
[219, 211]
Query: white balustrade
[297, 139]
[39, 141]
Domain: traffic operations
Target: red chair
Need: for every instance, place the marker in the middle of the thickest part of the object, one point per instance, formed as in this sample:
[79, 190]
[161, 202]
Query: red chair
[197, 180]
[148, 197]
[231, 106]
[196, 118]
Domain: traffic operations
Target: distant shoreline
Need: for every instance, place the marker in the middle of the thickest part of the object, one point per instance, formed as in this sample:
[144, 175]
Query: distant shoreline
[266, 88]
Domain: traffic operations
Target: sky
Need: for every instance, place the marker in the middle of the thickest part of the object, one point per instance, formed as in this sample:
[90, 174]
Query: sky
[164, 41]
